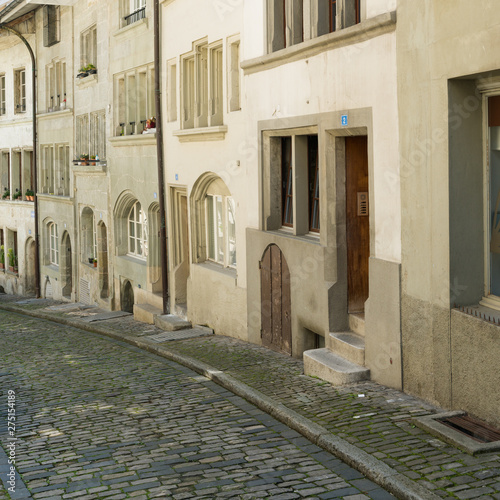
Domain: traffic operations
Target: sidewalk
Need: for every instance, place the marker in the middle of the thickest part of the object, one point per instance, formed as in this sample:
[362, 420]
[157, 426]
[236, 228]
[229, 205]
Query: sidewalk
[367, 425]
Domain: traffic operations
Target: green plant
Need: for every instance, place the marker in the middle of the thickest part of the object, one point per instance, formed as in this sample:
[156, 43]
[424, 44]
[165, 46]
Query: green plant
[6, 194]
[29, 192]
[83, 69]
[2, 255]
[84, 157]
[17, 195]
[89, 67]
[92, 157]
[11, 257]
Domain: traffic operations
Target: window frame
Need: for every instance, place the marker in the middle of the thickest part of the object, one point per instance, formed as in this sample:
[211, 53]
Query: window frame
[3, 102]
[88, 46]
[53, 244]
[20, 90]
[139, 221]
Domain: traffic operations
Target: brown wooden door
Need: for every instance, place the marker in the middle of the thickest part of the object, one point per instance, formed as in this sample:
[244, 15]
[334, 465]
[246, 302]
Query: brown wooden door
[276, 308]
[358, 222]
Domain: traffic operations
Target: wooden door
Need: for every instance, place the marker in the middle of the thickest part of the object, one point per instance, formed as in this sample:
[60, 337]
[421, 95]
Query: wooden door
[358, 222]
[276, 308]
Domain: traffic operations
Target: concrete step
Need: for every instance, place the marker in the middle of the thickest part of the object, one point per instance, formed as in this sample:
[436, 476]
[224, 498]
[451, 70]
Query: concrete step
[146, 313]
[326, 365]
[357, 323]
[348, 345]
[171, 323]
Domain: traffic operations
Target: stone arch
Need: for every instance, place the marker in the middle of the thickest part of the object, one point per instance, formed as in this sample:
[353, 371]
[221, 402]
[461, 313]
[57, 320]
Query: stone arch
[102, 259]
[122, 208]
[208, 181]
[29, 265]
[154, 256]
[65, 265]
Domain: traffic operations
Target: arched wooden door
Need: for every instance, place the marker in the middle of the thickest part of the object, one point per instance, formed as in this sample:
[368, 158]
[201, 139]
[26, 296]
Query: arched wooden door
[276, 310]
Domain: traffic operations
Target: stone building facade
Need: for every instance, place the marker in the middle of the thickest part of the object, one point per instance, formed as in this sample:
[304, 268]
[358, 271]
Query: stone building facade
[330, 188]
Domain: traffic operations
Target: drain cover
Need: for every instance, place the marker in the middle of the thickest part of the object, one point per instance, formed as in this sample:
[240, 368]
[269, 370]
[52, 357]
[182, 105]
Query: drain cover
[473, 427]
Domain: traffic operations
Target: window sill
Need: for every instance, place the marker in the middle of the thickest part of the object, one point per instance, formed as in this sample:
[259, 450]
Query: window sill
[54, 197]
[230, 272]
[141, 23]
[61, 112]
[133, 260]
[90, 166]
[484, 311]
[217, 133]
[287, 232]
[133, 140]
[86, 81]
[370, 28]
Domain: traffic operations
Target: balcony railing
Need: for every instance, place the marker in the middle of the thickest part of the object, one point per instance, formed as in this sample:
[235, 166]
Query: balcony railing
[135, 16]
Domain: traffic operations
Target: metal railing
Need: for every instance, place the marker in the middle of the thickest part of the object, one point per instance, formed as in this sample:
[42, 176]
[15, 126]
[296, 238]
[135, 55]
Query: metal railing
[135, 16]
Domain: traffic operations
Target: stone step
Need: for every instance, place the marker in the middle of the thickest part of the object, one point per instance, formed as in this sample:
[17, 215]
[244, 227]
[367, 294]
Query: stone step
[326, 365]
[171, 322]
[357, 323]
[348, 345]
[146, 313]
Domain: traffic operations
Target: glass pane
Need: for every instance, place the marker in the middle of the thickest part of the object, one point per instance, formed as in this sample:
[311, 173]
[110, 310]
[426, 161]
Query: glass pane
[131, 244]
[131, 229]
[231, 232]
[220, 229]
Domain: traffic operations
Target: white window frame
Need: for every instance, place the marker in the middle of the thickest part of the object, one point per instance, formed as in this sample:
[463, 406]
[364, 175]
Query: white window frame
[220, 253]
[234, 74]
[53, 244]
[55, 81]
[134, 102]
[138, 218]
[20, 90]
[88, 47]
[172, 90]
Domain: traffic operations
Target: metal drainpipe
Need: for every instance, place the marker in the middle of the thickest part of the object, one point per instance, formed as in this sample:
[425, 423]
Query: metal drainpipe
[159, 156]
[35, 167]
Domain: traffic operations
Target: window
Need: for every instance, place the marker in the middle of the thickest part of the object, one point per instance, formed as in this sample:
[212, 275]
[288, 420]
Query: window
[54, 165]
[137, 232]
[171, 91]
[88, 47]
[290, 22]
[3, 109]
[55, 78]
[53, 244]
[298, 174]
[234, 75]
[90, 135]
[51, 25]
[221, 230]
[134, 98]
[20, 90]
[132, 11]
[202, 87]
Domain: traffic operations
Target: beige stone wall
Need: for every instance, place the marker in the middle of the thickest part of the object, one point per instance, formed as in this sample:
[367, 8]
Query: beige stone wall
[445, 49]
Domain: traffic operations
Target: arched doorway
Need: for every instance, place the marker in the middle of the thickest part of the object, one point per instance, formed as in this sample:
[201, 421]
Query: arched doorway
[276, 310]
[30, 266]
[66, 266]
[127, 298]
[102, 259]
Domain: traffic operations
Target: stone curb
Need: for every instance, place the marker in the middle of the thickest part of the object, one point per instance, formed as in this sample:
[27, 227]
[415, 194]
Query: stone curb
[374, 469]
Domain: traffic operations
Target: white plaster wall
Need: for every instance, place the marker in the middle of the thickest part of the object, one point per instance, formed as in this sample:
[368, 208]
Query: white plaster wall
[362, 75]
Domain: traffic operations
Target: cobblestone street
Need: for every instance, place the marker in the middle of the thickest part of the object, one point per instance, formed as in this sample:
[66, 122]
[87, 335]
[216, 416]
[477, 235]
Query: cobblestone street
[100, 419]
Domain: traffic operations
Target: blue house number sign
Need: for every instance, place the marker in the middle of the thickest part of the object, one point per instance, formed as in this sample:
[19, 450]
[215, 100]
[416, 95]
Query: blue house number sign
[344, 120]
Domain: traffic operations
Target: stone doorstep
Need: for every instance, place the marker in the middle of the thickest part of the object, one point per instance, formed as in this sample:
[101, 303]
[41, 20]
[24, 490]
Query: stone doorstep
[146, 313]
[326, 365]
[357, 323]
[348, 345]
[171, 323]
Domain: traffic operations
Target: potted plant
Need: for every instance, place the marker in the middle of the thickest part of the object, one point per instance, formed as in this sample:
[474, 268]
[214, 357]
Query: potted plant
[95, 262]
[82, 72]
[2, 257]
[91, 260]
[84, 159]
[6, 194]
[93, 160]
[91, 69]
[17, 195]
[30, 195]
[12, 259]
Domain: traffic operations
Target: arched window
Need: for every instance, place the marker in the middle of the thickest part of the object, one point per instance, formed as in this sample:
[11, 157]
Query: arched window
[221, 230]
[53, 244]
[137, 232]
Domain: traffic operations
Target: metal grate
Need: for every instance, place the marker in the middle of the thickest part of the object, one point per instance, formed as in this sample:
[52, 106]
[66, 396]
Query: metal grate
[84, 291]
[362, 204]
[472, 427]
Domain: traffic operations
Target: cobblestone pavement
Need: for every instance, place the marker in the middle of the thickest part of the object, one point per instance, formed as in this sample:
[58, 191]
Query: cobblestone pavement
[97, 418]
[374, 418]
